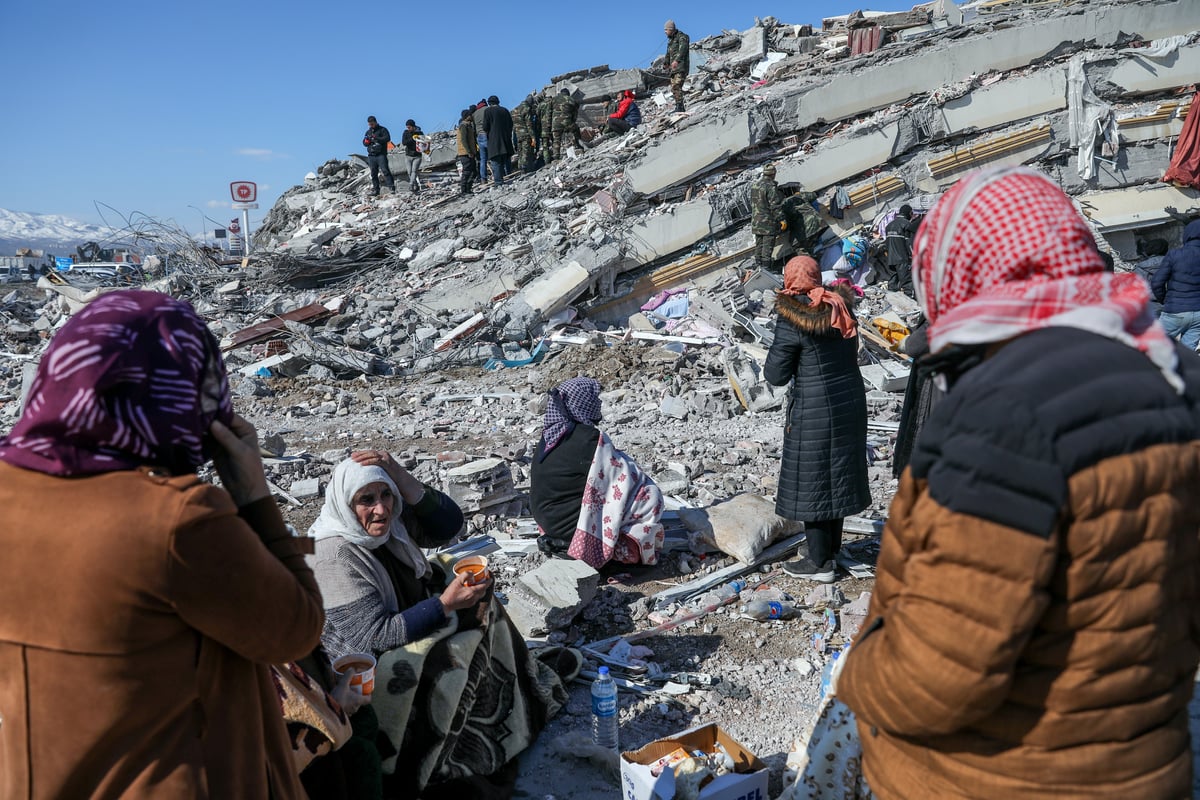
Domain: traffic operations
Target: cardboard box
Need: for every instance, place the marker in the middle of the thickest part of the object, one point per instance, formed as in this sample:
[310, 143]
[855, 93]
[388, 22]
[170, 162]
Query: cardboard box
[748, 781]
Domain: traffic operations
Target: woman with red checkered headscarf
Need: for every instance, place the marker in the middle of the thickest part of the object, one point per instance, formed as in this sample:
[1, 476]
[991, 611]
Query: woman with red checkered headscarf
[1034, 630]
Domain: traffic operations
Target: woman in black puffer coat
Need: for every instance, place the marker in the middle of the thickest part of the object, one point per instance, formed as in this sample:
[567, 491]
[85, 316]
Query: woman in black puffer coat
[823, 477]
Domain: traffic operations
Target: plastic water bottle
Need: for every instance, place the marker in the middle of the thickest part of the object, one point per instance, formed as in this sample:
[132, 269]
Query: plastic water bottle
[770, 609]
[604, 710]
[722, 594]
[827, 673]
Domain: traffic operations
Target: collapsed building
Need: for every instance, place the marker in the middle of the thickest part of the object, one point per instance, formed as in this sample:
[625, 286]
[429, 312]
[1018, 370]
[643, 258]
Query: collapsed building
[871, 111]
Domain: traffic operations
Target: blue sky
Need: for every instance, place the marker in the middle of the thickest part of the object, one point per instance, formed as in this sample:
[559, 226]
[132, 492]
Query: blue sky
[120, 109]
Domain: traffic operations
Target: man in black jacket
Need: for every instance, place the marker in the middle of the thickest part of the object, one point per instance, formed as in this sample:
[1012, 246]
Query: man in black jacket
[498, 125]
[899, 234]
[376, 139]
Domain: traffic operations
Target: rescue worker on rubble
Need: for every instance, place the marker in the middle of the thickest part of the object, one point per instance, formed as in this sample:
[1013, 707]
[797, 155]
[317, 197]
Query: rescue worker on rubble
[545, 115]
[564, 126]
[899, 236]
[804, 224]
[766, 217]
[523, 117]
[678, 63]
[376, 140]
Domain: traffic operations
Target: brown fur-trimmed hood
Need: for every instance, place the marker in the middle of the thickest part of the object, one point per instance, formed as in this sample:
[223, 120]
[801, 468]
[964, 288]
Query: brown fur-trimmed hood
[817, 320]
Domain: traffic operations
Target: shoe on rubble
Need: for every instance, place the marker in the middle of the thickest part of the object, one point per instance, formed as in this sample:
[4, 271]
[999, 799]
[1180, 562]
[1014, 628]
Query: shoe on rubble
[806, 569]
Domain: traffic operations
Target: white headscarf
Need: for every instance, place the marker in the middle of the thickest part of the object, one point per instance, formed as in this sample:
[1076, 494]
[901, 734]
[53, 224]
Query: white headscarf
[338, 517]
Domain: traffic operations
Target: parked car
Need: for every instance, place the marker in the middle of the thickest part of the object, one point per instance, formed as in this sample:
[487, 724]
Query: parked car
[106, 273]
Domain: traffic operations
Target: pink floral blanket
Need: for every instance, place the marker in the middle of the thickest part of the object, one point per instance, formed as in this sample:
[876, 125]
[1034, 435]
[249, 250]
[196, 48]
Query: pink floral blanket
[620, 517]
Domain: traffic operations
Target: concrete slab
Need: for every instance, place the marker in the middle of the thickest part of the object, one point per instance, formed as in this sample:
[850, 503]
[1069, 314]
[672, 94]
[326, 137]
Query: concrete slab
[480, 484]
[555, 289]
[1008, 101]
[999, 50]
[594, 87]
[1138, 206]
[841, 158]
[1138, 75]
[662, 234]
[693, 151]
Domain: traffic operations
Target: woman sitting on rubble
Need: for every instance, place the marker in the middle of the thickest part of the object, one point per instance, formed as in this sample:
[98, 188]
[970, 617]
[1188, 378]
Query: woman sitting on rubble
[435, 641]
[582, 485]
[140, 606]
[823, 474]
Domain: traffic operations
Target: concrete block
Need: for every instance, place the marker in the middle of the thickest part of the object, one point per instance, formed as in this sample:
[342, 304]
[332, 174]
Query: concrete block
[305, 489]
[1137, 206]
[435, 254]
[685, 224]
[693, 151]
[593, 88]
[555, 289]
[550, 596]
[675, 407]
[480, 484]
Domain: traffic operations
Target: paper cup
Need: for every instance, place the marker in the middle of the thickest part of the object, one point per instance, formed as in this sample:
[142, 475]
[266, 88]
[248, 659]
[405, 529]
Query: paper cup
[363, 664]
[474, 568]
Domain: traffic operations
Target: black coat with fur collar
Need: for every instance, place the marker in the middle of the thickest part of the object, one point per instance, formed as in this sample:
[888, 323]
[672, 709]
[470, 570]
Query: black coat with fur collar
[824, 470]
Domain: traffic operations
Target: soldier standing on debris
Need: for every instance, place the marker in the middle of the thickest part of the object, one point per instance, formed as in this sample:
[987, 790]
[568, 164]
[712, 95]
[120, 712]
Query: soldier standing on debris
[678, 63]
[766, 217]
[376, 139]
[545, 112]
[468, 150]
[565, 129]
[523, 117]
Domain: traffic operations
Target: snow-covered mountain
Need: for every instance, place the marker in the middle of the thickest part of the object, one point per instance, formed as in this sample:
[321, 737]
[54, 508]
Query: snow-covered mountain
[52, 233]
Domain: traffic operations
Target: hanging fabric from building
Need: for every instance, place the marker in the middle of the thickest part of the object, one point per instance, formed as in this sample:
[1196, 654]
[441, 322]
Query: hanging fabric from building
[1088, 117]
[1185, 163]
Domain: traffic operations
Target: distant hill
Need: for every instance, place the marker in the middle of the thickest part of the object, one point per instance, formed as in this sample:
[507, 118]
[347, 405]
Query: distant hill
[52, 233]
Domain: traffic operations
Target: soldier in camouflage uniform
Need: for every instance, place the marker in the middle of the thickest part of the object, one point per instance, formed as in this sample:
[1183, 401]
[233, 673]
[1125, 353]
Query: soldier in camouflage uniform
[523, 132]
[564, 127]
[766, 217]
[803, 221]
[545, 112]
[679, 48]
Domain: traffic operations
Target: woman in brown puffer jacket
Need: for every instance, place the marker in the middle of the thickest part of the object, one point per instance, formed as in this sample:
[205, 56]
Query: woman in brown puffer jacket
[1034, 630]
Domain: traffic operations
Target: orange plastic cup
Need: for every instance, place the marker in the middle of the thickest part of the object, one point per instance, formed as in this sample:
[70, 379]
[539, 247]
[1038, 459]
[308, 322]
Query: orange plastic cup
[473, 568]
[363, 664]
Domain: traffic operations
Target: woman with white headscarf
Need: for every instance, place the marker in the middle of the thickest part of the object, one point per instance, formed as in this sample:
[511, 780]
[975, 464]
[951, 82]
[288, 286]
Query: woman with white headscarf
[456, 693]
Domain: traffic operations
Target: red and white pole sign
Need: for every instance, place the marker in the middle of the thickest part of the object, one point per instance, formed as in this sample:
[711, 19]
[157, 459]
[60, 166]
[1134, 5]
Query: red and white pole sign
[244, 191]
[245, 197]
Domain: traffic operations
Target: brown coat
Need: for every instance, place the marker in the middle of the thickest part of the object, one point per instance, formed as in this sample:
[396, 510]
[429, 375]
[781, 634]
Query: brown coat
[138, 612]
[1034, 627]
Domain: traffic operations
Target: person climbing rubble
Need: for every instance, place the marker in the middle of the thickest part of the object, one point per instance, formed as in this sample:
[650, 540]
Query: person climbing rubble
[591, 500]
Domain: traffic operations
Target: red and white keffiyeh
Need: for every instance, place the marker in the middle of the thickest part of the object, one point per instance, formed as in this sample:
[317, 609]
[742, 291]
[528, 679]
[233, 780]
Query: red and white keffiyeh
[1004, 252]
[620, 517]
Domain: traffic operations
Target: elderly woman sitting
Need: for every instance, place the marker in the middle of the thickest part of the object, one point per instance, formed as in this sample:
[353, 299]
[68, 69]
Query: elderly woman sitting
[590, 499]
[456, 693]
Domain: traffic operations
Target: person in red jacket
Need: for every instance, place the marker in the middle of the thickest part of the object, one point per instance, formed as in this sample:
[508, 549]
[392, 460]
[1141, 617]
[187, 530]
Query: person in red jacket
[626, 116]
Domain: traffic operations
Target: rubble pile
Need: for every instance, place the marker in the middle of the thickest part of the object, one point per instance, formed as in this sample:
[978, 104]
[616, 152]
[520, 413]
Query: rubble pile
[433, 324]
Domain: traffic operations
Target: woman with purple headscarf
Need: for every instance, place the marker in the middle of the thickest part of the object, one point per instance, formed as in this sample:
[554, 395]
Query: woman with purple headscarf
[139, 605]
[591, 500]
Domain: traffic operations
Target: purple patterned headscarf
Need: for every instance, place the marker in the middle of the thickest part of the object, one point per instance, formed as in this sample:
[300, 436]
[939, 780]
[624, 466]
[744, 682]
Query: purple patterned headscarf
[574, 401]
[133, 379]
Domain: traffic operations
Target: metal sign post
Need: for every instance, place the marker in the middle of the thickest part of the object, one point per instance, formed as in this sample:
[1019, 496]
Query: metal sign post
[244, 194]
